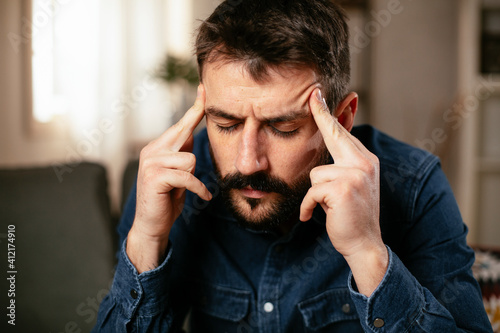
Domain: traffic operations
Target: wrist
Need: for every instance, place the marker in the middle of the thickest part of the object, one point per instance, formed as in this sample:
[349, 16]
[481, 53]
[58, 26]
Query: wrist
[369, 267]
[145, 252]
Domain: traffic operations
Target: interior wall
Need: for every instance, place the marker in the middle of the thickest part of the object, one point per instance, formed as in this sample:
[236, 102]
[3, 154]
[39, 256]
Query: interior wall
[414, 80]
[16, 147]
[424, 62]
[414, 66]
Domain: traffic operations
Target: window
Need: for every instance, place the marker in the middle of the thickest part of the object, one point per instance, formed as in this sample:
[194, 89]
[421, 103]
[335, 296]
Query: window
[490, 40]
[65, 46]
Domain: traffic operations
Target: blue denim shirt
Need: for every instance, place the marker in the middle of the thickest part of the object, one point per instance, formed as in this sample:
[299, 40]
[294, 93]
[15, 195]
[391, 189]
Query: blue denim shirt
[236, 280]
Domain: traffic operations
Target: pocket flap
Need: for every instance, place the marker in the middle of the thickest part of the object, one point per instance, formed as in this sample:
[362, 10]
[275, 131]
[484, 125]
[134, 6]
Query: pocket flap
[222, 302]
[328, 307]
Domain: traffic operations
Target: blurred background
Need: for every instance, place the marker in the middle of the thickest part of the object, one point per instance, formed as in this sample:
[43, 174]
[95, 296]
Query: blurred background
[94, 81]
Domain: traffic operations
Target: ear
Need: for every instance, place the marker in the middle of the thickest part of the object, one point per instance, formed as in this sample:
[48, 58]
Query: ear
[346, 110]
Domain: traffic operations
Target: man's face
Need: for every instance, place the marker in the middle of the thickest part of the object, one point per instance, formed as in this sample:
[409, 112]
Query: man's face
[264, 141]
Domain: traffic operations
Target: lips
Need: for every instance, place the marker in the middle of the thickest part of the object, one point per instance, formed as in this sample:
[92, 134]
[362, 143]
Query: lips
[251, 193]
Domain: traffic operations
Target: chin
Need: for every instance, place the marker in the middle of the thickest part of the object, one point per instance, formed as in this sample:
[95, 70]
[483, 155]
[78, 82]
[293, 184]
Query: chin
[266, 214]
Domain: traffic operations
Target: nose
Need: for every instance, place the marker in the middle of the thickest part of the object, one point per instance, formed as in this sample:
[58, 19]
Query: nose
[252, 155]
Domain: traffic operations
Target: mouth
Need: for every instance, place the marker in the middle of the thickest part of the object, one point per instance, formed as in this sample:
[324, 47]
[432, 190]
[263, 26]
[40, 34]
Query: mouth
[251, 193]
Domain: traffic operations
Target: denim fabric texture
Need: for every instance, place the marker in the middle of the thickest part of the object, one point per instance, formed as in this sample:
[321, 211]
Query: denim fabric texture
[235, 280]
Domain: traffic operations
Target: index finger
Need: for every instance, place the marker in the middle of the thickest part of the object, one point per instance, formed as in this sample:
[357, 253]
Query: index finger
[340, 143]
[177, 135]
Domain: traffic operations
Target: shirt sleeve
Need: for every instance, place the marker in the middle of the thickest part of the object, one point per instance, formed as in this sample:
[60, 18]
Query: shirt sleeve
[401, 304]
[137, 302]
[431, 287]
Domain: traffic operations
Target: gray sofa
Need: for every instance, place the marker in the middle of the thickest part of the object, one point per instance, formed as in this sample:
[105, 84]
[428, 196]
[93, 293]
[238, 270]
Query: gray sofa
[64, 243]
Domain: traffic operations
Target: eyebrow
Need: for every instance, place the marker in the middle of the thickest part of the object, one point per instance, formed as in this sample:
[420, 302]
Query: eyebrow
[289, 116]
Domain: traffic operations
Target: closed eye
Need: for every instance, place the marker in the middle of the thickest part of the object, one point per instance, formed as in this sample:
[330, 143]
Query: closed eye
[227, 129]
[283, 134]
[274, 130]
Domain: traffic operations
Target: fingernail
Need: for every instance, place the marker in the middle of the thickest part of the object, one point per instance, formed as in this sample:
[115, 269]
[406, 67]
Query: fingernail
[199, 91]
[319, 96]
[321, 99]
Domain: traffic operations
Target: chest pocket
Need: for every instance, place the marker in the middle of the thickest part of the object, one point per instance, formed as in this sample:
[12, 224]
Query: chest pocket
[332, 307]
[221, 302]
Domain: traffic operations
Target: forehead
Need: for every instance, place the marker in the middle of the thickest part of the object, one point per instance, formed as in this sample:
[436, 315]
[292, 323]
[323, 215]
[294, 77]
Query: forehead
[230, 87]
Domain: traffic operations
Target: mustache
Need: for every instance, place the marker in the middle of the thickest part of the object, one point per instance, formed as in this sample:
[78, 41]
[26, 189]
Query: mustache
[257, 181]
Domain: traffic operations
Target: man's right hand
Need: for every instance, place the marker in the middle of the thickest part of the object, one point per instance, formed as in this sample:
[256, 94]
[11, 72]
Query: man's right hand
[166, 171]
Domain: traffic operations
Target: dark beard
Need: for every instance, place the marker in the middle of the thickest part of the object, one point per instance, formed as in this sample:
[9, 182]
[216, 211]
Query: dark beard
[280, 210]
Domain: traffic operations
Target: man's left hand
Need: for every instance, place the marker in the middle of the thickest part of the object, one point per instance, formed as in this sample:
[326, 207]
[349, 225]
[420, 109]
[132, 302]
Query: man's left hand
[349, 192]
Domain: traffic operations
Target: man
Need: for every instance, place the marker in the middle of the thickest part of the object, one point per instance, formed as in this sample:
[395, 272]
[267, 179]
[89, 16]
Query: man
[276, 218]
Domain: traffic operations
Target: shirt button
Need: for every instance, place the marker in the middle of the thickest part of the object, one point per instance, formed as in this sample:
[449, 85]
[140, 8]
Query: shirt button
[346, 308]
[133, 294]
[268, 307]
[378, 323]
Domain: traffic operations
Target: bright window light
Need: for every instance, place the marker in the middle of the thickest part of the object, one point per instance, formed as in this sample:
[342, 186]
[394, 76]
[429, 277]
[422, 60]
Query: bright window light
[64, 59]
[47, 103]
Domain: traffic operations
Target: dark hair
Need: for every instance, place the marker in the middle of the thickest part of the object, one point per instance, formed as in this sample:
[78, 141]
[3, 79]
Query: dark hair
[268, 34]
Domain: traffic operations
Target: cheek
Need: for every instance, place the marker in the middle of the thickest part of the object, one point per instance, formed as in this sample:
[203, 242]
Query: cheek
[298, 157]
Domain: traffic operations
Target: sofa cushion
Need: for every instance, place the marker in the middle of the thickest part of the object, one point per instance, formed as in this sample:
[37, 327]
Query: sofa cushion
[63, 245]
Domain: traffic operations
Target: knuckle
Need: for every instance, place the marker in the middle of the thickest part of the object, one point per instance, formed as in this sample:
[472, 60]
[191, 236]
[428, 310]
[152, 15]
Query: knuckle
[145, 152]
[367, 167]
[148, 175]
[314, 174]
[190, 161]
[185, 177]
[374, 159]
[146, 162]
[149, 150]
[370, 166]
[359, 178]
